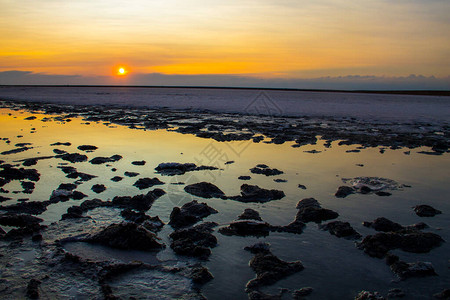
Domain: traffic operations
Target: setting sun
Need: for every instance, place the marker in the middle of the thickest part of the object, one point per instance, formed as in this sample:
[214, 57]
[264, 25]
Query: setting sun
[121, 71]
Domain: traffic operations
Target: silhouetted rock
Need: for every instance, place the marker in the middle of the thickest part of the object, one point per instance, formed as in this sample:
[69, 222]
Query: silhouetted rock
[194, 241]
[138, 163]
[130, 174]
[61, 144]
[73, 157]
[253, 193]
[301, 186]
[88, 148]
[270, 269]
[102, 160]
[383, 224]
[173, 168]
[138, 202]
[19, 220]
[67, 186]
[33, 289]
[200, 275]
[190, 213]
[395, 293]
[145, 183]
[445, 294]
[344, 191]
[116, 178]
[416, 269]
[366, 295]
[299, 294]
[250, 214]
[126, 235]
[309, 210]
[247, 228]
[98, 188]
[204, 190]
[11, 173]
[265, 170]
[341, 229]
[244, 178]
[426, 211]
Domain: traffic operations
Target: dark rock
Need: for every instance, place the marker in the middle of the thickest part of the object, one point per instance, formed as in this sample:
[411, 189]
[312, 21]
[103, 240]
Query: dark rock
[445, 294]
[2, 199]
[200, 275]
[102, 160]
[138, 202]
[32, 208]
[383, 194]
[204, 190]
[417, 269]
[73, 157]
[417, 242]
[309, 210]
[265, 170]
[28, 186]
[60, 144]
[16, 150]
[258, 248]
[344, 191]
[341, 229]
[173, 168]
[138, 163]
[280, 180]
[11, 173]
[81, 176]
[29, 162]
[73, 212]
[426, 211]
[299, 294]
[116, 178]
[37, 237]
[33, 289]
[247, 228]
[195, 241]
[58, 151]
[18, 220]
[67, 186]
[88, 148]
[366, 295]
[383, 224]
[190, 213]
[68, 169]
[396, 293]
[131, 174]
[270, 269]
[295, 226]
[365, 189]
[126, 235]
[98, 188]
[301, 186]
[4, 181]
[31, 118]
[244, 178]
[153, 224]
[250, 214]
[253, 193]
[258, 295]
[145, 183]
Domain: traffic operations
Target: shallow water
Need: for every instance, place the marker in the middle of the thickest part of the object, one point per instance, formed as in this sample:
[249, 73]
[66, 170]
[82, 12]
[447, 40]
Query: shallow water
[334, 267]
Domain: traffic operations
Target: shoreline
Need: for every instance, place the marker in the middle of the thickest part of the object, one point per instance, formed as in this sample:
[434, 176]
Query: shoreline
[424, 92]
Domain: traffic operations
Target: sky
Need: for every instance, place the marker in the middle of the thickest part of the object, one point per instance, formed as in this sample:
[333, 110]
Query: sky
[269, 43]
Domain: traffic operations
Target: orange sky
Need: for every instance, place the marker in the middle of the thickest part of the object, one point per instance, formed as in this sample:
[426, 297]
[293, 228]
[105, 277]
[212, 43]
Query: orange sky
[284, 38]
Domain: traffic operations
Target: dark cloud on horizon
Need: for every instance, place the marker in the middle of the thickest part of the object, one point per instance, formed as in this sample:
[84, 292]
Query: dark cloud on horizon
[350, 82]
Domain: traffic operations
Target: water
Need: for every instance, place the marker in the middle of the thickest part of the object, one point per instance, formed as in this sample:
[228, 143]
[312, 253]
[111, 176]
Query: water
[334, 267]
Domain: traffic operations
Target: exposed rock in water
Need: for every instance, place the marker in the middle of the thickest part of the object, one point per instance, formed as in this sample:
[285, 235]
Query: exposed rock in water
[126, 235]
[130, 174]
[33, 289]
[139, 202]
[416, 269]
[16, 150]
[59, 151]
[19, 220]
[426, 211]
[368, 185]
[153, 224]
[61, 144]
[27, 186]
[195, 241]
[309, 210]
[445, 294]
[343, 191]
[74, 212]
[116, 178]
[200, 274]
[190, 213]
[244, 177]
[247, 228]
[366, 295]
[265, 170]
[250, 214]
[301, 186]
[396, 293]
[341, 229]
[253, 193]
[417, 242]
[11, 173]
[383, 224]
[88, 148]
[269, 268]
[145, 183]
[102, 160]
[98, 188]
[67, 186]
[299, 294]
[32, 207]
[204, 190]
[258, 295]
[279, 180]
[73, 157]
[173, 168]
[138, 163]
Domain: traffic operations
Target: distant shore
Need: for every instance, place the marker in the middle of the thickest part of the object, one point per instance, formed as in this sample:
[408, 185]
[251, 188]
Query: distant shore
[393, 92]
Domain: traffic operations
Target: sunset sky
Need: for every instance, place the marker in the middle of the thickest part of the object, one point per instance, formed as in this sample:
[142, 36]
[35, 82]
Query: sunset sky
[267, 41]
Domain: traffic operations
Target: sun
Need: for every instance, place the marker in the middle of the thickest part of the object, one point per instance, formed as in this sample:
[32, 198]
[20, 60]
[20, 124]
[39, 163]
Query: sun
[121, 71]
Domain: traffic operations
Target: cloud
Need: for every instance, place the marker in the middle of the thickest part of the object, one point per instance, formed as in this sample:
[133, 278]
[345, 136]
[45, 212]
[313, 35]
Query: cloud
[349, 82]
